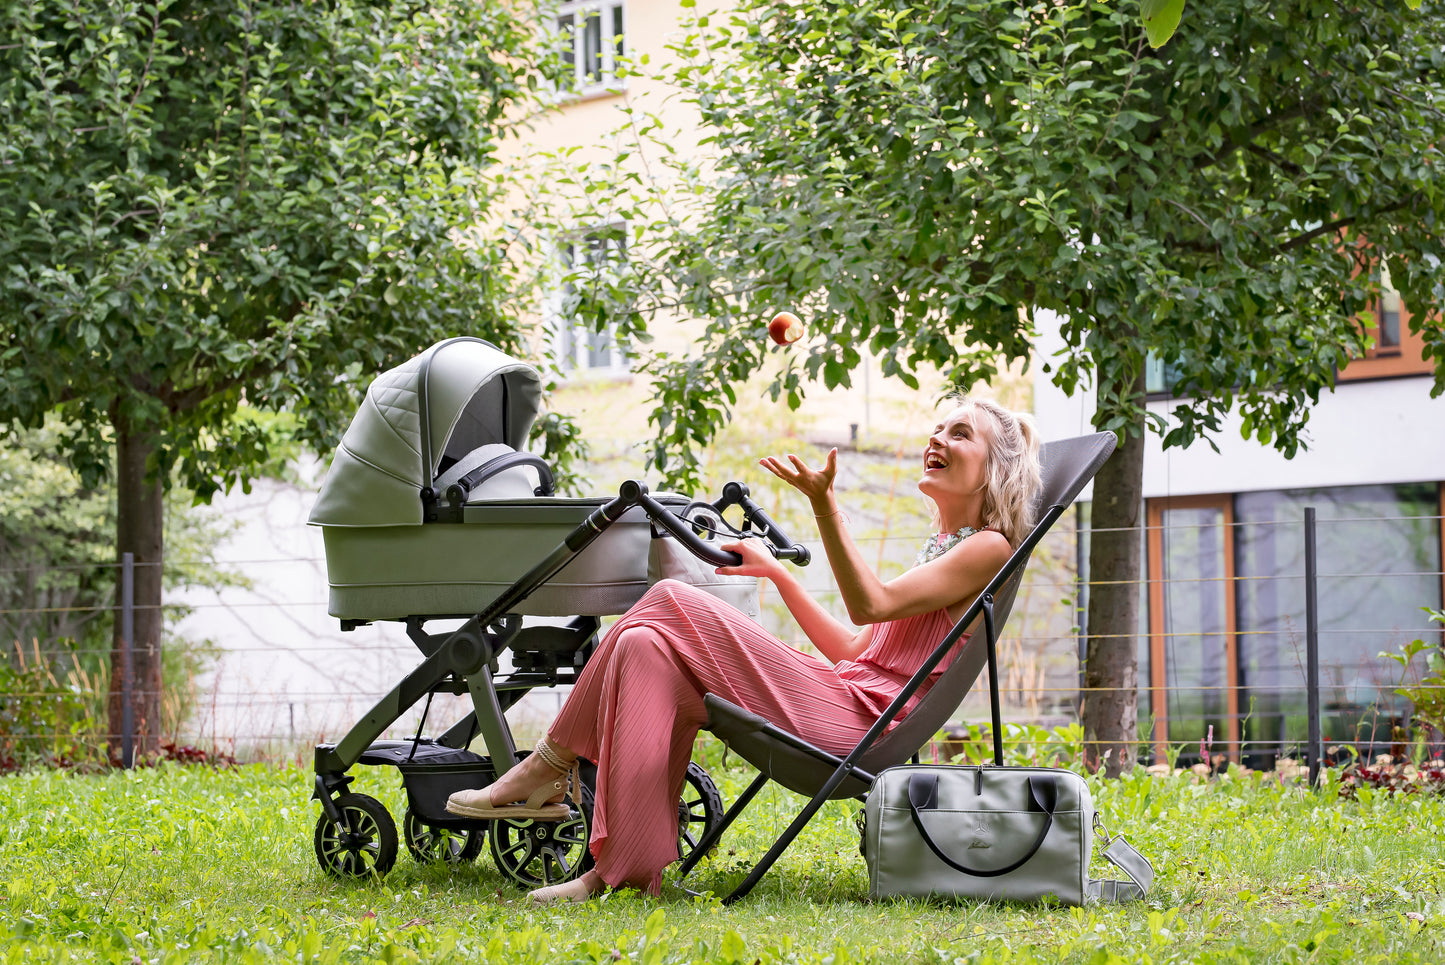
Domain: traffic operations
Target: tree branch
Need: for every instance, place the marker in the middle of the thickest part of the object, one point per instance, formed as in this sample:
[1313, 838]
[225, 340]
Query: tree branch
[1191, 212]
[1333, 226]
[1280, 162]
[1303, 109]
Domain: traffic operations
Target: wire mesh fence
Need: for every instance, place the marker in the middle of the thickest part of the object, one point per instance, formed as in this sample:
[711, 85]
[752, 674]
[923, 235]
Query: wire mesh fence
[259, 669]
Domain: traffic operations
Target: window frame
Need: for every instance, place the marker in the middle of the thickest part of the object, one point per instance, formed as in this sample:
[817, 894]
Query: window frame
[1405, 358]
[1158, 655]
[608, 12]
[1157, 686]
[576, 364]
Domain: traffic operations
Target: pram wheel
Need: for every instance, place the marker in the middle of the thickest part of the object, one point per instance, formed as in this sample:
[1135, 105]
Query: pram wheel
[367, 849]
[428, 843]
[539, 853]
[699, 811]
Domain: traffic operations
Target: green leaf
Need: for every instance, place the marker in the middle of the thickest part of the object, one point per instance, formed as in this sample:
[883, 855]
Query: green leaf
[1160, 19]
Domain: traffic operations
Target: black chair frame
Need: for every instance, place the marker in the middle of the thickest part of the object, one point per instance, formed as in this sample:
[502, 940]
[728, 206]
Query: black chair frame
[849, 777]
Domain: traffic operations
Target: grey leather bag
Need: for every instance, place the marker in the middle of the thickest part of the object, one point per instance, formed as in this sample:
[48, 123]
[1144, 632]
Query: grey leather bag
[991, 833]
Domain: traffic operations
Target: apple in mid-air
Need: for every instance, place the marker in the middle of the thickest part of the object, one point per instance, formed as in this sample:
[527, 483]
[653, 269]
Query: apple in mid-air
[785, 328]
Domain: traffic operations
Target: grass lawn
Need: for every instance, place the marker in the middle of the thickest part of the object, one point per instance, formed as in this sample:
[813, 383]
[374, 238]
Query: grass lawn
[191, 864]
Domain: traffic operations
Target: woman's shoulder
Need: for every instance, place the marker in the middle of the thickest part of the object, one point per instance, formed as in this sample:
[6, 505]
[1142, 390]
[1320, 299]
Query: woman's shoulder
[991, 538]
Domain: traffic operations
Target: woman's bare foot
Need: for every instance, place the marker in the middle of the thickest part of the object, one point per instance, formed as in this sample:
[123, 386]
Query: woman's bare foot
[589, 885]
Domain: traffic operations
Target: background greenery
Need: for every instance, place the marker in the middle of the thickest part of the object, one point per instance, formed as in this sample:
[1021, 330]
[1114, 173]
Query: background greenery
[214, 208]
[920, 178]
[57, 588]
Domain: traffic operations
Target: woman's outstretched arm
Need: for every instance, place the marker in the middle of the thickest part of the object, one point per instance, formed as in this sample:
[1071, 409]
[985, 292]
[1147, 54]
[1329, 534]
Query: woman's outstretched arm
[833, 640]
[952, 580]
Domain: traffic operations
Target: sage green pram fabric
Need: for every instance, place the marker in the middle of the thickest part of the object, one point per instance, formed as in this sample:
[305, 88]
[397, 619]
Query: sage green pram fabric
[471, 393]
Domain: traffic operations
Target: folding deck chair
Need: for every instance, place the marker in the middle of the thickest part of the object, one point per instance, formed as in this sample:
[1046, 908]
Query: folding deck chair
[1067, 466]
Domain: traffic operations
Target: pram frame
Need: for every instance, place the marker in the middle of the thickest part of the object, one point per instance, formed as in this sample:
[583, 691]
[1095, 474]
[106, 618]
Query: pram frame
[464, 660]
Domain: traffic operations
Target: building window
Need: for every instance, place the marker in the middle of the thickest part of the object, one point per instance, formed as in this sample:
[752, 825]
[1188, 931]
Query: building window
[1378, 550]
[1226, 620]
[589, 266]
[1387, 318]
[1397, 351]
[1160, 376]
[594, 41]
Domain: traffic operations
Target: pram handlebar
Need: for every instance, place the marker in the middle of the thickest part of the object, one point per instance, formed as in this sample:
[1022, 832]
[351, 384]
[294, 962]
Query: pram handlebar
[634, 493]
[734, 494]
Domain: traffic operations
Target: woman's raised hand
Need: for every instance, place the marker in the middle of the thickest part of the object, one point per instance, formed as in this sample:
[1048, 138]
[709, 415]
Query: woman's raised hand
[816, 484]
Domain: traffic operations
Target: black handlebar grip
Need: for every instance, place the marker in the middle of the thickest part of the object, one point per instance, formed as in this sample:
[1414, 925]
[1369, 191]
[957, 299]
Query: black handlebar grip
[681, 530]
[798, 553]
[734, 493]
[629, 494]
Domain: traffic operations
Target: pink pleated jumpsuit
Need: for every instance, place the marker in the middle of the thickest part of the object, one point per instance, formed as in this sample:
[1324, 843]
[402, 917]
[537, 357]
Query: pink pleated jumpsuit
[637, 708]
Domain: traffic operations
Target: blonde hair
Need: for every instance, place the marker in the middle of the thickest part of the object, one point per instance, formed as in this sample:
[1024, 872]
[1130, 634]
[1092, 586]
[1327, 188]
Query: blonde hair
[1011, 478]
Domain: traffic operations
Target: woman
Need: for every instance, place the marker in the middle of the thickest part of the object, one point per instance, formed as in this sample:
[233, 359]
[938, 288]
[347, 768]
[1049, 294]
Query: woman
[637, 706]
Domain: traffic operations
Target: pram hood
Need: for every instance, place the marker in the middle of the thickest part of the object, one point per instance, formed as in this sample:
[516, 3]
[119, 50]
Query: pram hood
[454, 397]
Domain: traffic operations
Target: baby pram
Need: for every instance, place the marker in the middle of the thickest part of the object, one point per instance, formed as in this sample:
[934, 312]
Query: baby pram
[433, 511]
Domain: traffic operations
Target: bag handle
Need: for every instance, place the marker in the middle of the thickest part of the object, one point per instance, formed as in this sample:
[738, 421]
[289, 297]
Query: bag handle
[993, 699]
[923, 793]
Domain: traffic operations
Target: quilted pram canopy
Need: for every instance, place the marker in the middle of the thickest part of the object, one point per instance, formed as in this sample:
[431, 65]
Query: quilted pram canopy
[458, 395]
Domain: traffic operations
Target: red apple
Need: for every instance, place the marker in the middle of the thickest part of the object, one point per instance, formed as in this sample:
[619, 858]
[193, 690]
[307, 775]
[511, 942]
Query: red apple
[785, 328]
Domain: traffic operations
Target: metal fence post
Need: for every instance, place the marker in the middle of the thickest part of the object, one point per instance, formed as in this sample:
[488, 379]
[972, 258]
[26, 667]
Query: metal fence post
[127, 662]
[1312, 649]
[1081, 602]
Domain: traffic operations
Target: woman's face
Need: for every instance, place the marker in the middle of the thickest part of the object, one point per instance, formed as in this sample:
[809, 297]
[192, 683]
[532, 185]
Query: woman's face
[956, 457]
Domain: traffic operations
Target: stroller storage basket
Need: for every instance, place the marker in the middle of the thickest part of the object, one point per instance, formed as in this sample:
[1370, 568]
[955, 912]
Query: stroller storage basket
[429, 785]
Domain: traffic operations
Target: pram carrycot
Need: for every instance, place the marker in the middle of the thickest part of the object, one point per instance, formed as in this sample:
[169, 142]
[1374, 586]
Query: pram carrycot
[433, 510]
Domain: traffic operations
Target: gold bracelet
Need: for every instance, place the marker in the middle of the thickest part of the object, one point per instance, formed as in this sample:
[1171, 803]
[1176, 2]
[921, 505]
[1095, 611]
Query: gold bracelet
[836, 512]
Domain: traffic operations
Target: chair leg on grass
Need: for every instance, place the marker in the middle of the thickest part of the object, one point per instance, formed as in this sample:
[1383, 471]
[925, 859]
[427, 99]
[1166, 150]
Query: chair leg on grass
[711, 838]
[781, 845]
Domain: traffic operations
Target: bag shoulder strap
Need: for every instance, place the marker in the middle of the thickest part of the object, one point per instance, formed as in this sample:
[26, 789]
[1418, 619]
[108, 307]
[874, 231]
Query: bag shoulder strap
[1125, 857]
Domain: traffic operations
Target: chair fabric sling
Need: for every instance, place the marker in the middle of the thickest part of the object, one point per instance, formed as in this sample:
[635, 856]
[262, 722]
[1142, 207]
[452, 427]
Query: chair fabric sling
[1067, 466]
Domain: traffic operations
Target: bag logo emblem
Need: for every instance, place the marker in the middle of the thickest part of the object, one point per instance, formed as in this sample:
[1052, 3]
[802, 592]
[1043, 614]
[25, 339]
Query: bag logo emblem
[980, 834]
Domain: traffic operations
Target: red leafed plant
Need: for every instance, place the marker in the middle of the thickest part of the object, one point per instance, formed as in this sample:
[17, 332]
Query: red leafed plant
[188, 754]
[1393, 777]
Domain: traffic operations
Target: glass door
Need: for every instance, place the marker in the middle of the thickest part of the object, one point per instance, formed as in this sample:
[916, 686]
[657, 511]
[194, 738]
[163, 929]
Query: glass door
[1191, 629]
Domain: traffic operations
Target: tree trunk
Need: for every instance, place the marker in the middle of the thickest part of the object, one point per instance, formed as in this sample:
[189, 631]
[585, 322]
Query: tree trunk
[1111, 671]
[139, 530]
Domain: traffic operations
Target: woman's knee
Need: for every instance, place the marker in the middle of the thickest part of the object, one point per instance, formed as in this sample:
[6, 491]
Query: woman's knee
[668, 589]
[641, 638]
[677, 596]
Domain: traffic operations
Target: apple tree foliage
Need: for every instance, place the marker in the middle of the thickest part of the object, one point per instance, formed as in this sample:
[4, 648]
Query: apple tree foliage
[214, 207]
[919, 180]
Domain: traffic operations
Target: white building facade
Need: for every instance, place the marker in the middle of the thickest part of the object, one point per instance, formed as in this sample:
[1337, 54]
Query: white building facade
[1222, 643]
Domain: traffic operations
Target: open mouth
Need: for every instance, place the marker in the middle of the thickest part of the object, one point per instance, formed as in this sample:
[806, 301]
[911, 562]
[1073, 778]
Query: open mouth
[932, 461]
